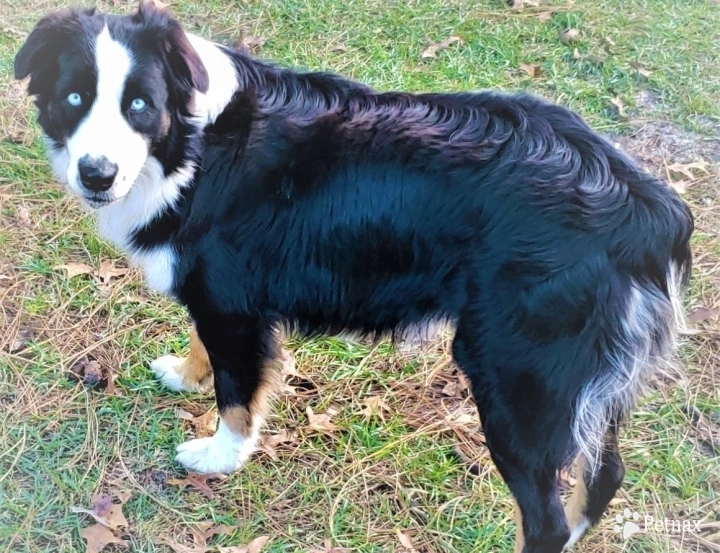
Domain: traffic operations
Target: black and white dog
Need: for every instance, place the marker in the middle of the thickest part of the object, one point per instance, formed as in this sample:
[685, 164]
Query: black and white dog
[261, 197]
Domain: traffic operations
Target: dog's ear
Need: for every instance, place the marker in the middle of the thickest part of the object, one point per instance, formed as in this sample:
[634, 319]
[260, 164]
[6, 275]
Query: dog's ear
[45, 41]
[187, 69]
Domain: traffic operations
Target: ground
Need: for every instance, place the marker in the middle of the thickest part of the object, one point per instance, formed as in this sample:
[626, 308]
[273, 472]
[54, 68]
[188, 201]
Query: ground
[364, 456]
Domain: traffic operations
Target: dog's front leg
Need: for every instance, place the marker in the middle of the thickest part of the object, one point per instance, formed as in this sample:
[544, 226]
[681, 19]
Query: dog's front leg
[242, 352]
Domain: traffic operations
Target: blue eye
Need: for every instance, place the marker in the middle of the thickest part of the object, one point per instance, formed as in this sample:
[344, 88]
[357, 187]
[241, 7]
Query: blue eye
[74, 99]
[138, 105]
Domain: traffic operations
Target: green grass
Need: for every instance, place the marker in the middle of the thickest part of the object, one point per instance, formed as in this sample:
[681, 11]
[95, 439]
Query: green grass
[373, 476]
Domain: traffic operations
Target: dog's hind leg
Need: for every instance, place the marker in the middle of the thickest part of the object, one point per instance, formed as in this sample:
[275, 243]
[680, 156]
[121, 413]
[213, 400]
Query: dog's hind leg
[593, 493]
[190, 374]
[526, 431]
[243, 356]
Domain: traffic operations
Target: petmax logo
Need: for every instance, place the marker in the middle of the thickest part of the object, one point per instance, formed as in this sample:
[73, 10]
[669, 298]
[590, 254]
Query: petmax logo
[630, 523]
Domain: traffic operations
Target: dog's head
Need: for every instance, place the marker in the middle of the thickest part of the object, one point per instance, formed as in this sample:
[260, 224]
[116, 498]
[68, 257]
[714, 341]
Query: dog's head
[108, 89]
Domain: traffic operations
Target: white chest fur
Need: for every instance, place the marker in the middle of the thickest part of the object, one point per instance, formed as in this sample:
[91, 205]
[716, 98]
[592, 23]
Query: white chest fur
[151, 194]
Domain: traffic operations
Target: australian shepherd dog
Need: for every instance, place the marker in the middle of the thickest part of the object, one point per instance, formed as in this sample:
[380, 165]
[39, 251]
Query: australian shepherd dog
[261, 197]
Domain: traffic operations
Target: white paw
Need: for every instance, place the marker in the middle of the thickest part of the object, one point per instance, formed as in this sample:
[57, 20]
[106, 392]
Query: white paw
[578, 532]
[167, 371]
[224, 452]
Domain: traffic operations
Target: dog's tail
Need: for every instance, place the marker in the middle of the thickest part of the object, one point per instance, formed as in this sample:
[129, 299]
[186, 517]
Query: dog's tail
[651, 254]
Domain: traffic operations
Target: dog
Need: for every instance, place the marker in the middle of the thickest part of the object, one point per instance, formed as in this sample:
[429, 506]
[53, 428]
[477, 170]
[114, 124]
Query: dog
[262, 197]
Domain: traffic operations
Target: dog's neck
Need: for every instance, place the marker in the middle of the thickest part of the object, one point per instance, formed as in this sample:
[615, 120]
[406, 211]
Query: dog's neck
[154, 195]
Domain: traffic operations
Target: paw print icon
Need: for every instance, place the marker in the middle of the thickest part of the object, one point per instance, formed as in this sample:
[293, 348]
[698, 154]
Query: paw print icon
[627, 523]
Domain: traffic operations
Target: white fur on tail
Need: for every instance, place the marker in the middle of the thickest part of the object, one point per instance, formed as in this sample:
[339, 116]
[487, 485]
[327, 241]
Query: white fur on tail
[649, 327]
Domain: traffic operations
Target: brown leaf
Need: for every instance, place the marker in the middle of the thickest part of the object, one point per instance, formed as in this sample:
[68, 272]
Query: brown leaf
[702, 314]
[687, 168]
[620, 105]
[216, 530]
[199, 532]
[198, 482]
[339, 47]
[518, 5]
[89, 372]
[321, 423]
[531, 69]
[329, 548]
[183, 548]
[97, 537]
[108, 272]
[569, 35]
[432, 50]
[75, 269]
[255, 546]
[451, 389]
[374, 406]
[645, 72]
[203, 425]
[106, 511]
[592, 59]
[545, 16]
[23, 215]
[251, 43]
[23, 336]
[406, 541]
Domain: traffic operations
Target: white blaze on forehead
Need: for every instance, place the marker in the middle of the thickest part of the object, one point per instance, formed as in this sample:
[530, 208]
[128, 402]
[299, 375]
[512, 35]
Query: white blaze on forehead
[105, 131]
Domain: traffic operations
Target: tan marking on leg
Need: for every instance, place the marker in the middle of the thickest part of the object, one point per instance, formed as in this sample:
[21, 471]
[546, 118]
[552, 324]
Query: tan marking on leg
[519, 536]
[575, 508]
[196, 371]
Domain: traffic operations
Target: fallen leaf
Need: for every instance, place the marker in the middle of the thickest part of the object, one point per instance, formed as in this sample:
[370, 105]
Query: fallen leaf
[255, 546]
[320, 423]
[216, 530]
[518, 4]
[251, 43]
[199, 532]
[545, 16]
[23, 336]
[680, 186]
[183, 548]
[75, 269]
[106, 511]
[569, 35]
[406, 541]
[108, 272]
[23, 215]
[687, 168]
[282, 437]
[592, 59]
[329, 548]
[702, 314]
[432, 50]
[203, 425]
[97, 537]
[374, 406]
[645, 72]
[198, 482]
[339, 47]
[531, 69]
[620, 105]
[450, 389]
[88, 370]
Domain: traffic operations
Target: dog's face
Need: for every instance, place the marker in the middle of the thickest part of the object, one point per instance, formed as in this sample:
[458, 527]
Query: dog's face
[108, 89]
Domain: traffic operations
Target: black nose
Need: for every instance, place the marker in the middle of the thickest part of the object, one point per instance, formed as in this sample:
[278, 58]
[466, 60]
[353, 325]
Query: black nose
[97, 174]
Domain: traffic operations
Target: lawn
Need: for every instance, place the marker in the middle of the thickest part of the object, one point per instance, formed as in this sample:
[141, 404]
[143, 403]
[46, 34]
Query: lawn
[369, 446]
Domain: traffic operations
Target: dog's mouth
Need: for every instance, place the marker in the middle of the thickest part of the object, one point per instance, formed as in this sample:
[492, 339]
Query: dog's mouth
[98, 201]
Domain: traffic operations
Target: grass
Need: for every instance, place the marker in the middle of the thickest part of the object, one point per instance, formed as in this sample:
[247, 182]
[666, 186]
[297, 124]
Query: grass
[394, 470]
